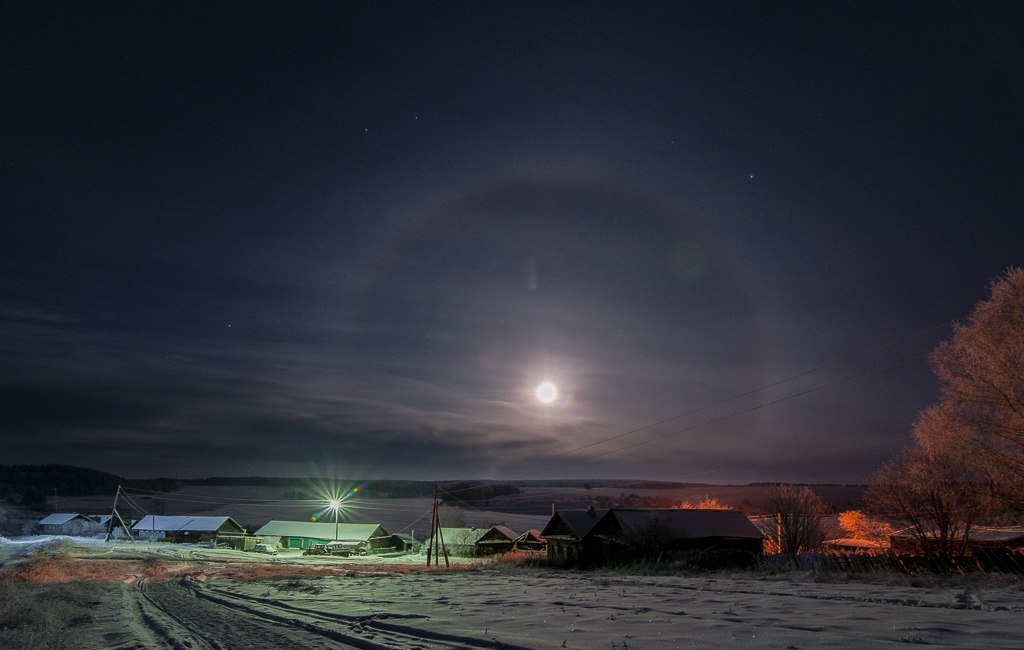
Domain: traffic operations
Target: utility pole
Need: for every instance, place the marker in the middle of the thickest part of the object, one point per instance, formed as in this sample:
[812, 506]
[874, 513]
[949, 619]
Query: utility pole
[440, 537]
[56, 506]
[114, 515]
[436, 544]
[433, 527]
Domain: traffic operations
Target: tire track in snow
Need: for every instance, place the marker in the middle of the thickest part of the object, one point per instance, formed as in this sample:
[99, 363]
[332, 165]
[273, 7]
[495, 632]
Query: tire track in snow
[373, 632]
[166, 625]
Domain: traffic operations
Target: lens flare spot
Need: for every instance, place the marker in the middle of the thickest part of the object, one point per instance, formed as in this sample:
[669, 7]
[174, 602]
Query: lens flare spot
[689, 262]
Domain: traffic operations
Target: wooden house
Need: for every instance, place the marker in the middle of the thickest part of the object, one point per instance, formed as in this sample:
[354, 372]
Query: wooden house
[185, 528]
[68, 523]
[623, 535]
[659, 533]
[496, 539]
[565, 532]
[531, 540]
[468, 542]
[304, 534]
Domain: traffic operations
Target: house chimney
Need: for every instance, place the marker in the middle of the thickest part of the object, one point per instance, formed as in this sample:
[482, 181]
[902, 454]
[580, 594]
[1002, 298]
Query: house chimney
[591, 512]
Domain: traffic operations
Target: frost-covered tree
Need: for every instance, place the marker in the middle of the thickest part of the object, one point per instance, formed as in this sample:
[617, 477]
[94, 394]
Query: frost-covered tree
[799, 518]
[980, 414]
[857, 524]
[707, 503]
[932, 496]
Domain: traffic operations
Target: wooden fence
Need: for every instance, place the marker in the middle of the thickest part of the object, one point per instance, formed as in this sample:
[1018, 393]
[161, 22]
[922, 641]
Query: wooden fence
[1008, 561]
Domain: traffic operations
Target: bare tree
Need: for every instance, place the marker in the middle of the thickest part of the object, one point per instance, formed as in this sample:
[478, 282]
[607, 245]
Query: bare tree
[799, 514]
[980, 415]
[933, 496]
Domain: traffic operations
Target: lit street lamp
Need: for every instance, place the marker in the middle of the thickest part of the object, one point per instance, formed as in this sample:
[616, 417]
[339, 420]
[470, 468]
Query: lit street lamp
[335, 505]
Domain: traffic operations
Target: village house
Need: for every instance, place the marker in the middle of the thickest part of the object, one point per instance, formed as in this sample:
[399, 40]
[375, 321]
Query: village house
[622, 535]
[531, 540]
[565, 531]
[68, 523]
[466, 542]
[186, 528]
[304, 534]
[653, 533]
[496, 539]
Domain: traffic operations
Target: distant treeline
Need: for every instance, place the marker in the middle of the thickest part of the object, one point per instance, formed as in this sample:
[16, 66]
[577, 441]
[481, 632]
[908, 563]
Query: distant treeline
[476, 494]
[306, 488]
[473, 493]
[31, 485]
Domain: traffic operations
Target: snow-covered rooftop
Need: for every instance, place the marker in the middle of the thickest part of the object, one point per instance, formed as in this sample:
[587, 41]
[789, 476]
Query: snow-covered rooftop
[59, 518]
[181, 523]
[321, 530]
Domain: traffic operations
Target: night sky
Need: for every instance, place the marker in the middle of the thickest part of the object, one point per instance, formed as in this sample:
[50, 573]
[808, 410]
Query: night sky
[350, 239]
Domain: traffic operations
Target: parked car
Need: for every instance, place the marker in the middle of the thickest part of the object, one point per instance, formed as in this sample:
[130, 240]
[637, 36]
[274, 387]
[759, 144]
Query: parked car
[263, 548]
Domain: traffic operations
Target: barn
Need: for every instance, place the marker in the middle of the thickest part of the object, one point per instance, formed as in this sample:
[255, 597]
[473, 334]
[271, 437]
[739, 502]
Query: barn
[659, 533]
[185, 528]
[304, 534]
[565, 533]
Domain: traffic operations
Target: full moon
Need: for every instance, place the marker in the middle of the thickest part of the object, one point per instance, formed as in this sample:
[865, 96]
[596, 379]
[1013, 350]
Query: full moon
[546, 392]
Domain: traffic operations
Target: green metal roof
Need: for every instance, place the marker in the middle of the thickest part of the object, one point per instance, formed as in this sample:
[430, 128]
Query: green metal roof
[322, 530]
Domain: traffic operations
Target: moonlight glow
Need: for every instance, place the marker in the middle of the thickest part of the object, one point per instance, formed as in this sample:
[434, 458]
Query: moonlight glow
[546, 393]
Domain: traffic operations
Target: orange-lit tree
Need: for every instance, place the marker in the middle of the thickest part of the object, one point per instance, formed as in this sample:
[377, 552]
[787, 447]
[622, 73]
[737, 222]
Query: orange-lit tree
[980, 414]
[859, 525]
[707, 503]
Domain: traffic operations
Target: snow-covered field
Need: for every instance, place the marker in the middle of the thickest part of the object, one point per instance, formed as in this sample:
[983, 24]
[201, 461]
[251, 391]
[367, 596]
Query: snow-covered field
[162, 595]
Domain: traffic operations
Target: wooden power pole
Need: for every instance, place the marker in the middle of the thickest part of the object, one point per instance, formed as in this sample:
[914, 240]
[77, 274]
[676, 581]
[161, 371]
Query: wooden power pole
[436, 546]
[115, 515]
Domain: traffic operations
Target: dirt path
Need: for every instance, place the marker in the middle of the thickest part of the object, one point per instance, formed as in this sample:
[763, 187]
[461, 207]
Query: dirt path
[183, 613]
